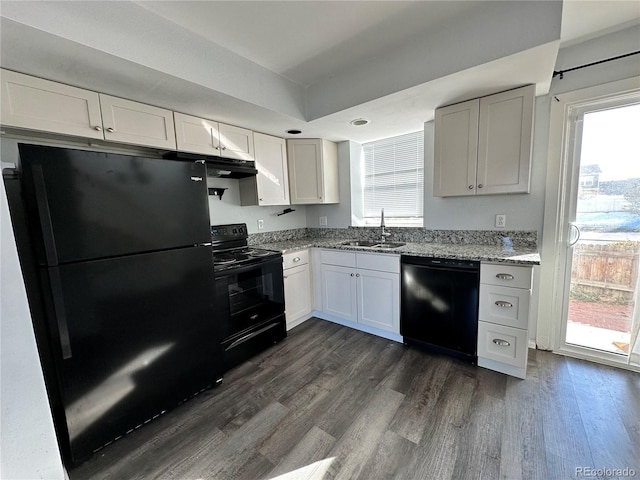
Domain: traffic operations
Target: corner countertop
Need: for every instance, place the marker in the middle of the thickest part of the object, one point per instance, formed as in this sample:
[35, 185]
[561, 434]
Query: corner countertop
[483, 253]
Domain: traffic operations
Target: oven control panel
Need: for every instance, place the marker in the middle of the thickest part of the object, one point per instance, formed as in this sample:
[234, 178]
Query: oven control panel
[221, 233]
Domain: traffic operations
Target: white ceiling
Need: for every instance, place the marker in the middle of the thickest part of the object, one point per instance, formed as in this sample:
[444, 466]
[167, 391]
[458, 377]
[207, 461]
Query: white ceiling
[307, 40]
[311, 65]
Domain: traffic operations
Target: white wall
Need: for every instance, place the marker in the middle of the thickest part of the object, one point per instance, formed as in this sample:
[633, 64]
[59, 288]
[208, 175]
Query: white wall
[607, 46]
[229, 210]
[27, 437]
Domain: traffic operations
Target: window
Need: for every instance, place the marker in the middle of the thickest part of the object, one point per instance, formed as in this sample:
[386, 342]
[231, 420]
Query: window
[393, 179]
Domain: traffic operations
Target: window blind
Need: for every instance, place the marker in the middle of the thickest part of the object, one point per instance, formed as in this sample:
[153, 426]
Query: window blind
[394, 176]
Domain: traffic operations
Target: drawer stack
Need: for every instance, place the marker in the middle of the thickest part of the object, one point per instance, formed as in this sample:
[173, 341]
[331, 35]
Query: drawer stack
[503, 318]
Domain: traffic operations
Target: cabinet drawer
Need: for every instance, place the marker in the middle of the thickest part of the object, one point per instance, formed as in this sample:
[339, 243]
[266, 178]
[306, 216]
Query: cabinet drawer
[379, 262]
[293, 259]
[336, 257]
[503, 344]
[505, 306]
[505, 275]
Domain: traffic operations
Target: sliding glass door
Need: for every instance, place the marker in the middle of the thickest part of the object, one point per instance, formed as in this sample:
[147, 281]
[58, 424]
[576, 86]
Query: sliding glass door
[600, 291]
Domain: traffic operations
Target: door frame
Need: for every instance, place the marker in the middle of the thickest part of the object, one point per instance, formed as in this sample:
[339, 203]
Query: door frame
[558, 204]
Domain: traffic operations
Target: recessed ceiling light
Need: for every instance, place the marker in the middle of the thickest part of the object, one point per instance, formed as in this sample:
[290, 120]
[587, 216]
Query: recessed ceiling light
[294, 132]
[358, 122]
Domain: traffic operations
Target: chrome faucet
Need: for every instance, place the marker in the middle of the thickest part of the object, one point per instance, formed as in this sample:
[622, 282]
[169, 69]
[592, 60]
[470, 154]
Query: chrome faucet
[383, 234]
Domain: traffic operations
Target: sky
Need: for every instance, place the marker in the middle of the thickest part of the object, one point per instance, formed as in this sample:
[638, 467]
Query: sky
[611, 138]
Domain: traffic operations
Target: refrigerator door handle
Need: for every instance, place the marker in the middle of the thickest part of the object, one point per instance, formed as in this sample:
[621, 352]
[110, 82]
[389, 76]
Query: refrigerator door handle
[61, 316]
[45, 215]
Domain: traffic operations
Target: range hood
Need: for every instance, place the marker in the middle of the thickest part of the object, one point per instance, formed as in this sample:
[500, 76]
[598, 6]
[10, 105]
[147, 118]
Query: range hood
[218, 166]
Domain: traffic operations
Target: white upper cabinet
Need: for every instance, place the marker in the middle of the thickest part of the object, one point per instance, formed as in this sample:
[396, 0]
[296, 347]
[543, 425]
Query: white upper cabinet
[271, 185]
[483, 146]
[199, 135]
[504, 141]
[136, 123]
[36, 104]
[236, 142]
[196, 135]
[313, 171]
[456, 149]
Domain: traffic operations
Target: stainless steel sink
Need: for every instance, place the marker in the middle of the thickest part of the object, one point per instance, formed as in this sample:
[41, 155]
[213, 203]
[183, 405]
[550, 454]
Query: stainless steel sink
[359, 243]
[365, 243]
[388, 245]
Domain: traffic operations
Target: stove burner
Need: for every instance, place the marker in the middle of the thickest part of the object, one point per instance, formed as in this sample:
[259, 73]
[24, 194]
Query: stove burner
[259, 253]
[224, 261]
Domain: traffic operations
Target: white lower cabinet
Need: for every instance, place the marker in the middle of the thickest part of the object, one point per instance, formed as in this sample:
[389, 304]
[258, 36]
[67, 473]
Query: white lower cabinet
[297, 287]
[503, 318]
[362, 289]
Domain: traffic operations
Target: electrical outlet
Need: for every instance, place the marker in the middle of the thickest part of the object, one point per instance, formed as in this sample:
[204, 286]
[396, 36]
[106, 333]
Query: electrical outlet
[323, 221]
[260, 224]
[501, 220]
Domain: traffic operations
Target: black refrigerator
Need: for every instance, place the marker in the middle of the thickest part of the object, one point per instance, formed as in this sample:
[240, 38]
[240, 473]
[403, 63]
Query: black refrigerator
[122, 289]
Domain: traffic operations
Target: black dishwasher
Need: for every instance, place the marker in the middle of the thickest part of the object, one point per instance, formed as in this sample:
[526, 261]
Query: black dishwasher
[439, 305]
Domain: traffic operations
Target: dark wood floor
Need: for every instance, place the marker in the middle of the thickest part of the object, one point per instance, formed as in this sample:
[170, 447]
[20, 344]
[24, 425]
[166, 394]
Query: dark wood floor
[331, 402]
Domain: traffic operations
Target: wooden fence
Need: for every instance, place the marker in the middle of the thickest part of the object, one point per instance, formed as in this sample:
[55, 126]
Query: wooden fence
[606, 271]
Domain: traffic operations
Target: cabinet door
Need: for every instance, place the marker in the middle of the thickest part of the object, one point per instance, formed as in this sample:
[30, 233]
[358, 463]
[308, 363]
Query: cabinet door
[273, 177]
[504, 144]
[196, 135]
[297, 292]
[456, 149]
[379, 299]
[236, 142]
[136, 123]
[37, 104]
[339, 292]
[305, 171]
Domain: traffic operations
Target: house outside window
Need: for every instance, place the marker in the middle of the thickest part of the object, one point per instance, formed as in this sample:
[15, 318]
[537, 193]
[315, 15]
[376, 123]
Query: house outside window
[393, 180]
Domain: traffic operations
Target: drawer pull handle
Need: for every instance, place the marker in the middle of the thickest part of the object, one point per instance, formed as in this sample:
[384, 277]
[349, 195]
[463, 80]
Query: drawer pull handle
[504, 276]
[296, 259]
[503, 304]
[500, 342]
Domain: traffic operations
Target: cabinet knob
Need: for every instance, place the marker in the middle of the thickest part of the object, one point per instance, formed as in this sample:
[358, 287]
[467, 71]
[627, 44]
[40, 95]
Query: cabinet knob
[260, 199]
[223, 148]
[357, 274]
[296, 259]
[500, 342]
[479, 185]
[470, 187]
[216, 147]
[111, 129]
[97, 128]
[352, 274]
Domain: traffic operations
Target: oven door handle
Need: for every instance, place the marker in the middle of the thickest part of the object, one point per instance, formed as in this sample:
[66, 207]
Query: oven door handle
[247, 268]
[251, 335]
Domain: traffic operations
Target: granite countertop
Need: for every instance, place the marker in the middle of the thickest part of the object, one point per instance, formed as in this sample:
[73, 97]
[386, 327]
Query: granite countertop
[486, 253]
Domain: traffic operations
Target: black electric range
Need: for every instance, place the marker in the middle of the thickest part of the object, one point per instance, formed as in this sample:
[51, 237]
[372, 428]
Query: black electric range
[249, 293]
